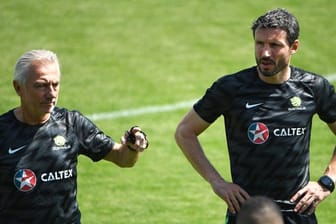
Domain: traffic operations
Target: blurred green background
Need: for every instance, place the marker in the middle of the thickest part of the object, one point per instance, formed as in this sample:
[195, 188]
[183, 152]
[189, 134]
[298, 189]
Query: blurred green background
[124, 55]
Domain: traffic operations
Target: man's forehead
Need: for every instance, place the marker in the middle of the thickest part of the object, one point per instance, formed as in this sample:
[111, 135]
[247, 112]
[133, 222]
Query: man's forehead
[270, 30]
[45, 71]
[273, 33]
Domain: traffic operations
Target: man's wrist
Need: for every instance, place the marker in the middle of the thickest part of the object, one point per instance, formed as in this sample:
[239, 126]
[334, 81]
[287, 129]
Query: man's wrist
[132, 149]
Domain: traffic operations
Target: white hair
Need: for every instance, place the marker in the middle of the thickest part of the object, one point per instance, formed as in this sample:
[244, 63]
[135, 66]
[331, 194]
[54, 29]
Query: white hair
[24, 64]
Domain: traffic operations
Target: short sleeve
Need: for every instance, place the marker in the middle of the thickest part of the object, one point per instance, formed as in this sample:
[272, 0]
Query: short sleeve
[93, 142]
[326, 100]
[216, 100]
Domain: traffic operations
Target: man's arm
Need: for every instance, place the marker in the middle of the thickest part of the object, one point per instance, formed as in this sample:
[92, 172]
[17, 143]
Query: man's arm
[126, 154]
[312, 194]
[331, 168]
[186, 136]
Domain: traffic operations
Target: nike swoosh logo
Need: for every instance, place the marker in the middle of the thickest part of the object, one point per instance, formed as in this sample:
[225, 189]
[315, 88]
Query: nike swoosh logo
[12, 151]
[249, 106]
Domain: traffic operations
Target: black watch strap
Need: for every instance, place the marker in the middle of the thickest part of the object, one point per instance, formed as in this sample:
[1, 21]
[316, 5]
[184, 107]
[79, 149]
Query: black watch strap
[326, 182]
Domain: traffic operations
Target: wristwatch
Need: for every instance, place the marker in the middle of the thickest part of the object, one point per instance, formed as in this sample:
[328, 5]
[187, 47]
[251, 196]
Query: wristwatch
[327, 183]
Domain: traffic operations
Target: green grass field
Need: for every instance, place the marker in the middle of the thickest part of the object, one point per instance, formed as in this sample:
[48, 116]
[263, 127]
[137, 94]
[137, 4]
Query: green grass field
[122, 55]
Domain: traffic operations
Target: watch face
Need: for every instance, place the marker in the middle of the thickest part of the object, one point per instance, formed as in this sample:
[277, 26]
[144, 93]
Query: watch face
[327, 182]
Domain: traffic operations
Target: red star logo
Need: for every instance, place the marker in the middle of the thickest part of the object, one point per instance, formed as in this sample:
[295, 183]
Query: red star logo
[258, 133]
[24, 180]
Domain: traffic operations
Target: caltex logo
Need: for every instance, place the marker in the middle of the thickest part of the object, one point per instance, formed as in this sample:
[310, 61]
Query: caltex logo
[24, 180]
[258, 133]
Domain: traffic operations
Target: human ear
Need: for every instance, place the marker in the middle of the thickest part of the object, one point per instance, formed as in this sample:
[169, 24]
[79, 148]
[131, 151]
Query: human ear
[295, 46]
[17, 87]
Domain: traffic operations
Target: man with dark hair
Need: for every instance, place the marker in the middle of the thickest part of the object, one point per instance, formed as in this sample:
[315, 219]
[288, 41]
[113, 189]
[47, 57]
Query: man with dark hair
[259, 210]
[268, 111]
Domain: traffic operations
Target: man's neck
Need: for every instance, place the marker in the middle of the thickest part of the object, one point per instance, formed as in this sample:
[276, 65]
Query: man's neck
[26, 118]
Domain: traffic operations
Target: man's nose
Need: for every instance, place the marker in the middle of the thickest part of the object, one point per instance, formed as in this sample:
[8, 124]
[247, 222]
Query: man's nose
[52, 91]
[266, 52]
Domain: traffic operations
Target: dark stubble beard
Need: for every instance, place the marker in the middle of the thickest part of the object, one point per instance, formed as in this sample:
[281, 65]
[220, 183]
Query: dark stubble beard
[277, 67]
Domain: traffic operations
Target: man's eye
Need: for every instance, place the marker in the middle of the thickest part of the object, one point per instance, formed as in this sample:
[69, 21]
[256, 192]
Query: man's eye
[259, 43]
[275, 45]
[39, 85]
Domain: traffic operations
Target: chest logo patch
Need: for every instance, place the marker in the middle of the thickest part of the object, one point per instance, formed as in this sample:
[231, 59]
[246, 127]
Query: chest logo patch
[258, 133]
[60, 143]
[296, 104]
[295, 101]
[59, 140]
[24, 180]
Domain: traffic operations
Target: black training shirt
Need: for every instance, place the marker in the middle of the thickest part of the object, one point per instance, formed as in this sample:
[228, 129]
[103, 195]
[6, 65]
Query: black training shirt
[38, 166]
[268, 127]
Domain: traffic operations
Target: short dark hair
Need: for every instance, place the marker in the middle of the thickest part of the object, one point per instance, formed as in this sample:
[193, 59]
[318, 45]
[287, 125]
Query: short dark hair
[259, 209]
[282, 19]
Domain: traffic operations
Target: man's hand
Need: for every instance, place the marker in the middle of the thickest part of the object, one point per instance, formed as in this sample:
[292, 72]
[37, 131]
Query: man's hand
[309, 197]
[135, 139]
[231, 193]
